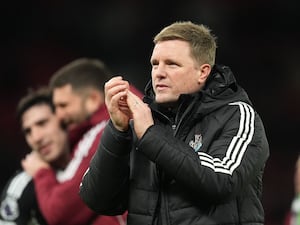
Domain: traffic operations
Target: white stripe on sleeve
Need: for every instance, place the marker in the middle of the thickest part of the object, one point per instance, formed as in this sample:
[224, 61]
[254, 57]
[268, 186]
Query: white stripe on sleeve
[237, 146]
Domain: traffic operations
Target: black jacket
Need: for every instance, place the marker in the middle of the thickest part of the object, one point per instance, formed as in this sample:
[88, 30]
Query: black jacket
[201, 164]
[18, 202]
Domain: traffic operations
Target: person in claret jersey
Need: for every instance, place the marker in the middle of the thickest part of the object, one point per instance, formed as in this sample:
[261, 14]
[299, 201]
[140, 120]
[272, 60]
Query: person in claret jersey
[48, 140]
[78, 96]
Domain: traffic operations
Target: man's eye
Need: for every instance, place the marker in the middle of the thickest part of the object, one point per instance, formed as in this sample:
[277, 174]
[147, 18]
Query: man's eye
[26, 132]
[172, 64]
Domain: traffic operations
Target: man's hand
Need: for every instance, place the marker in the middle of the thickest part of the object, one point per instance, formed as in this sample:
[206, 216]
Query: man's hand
[141, 113]
[33, 163]
[115, 99]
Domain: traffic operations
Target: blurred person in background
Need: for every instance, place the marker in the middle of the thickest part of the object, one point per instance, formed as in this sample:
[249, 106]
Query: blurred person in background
[48, 140]
[23, 198]
[193, 152]
[293, 216]
[58, 195]
[78, 97]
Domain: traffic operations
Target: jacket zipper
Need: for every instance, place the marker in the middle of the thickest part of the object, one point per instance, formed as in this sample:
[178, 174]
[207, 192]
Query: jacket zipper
[157, 217]
[176, 127]
[161, 198]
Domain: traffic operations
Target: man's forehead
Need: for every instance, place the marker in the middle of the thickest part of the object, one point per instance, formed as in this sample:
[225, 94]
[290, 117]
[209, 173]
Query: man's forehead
[36, 113]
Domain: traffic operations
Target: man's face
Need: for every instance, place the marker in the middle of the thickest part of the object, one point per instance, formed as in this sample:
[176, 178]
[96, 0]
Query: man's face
[174, 71]
[70, 106]
[44, 134]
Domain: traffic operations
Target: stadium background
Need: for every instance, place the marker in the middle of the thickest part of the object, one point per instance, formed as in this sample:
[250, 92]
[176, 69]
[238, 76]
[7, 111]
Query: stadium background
[259, 40]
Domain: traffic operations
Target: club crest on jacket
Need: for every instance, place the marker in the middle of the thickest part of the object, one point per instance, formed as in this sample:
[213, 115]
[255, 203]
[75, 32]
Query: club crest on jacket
[196, 144]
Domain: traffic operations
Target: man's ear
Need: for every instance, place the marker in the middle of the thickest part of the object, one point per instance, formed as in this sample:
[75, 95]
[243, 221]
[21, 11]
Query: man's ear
[94, 100]
[204, 73]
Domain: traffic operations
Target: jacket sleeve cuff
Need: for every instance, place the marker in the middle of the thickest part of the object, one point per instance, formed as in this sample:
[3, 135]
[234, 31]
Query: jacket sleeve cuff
[115, 141]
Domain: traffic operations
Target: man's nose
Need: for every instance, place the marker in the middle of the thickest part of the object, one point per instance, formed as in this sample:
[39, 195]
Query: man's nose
[159, 71]
[60, 113]
[36, 135]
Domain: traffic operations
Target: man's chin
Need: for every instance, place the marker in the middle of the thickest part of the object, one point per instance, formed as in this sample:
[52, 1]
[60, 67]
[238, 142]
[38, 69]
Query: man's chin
[166, 98]
[72, 126]
[48, 159]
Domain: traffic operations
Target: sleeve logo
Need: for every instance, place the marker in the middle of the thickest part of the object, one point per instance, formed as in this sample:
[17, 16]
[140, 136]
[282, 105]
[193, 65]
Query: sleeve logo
[9, 208]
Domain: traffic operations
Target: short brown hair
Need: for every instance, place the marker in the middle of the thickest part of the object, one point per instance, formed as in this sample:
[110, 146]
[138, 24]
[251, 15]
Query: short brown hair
[202, 41]
[34, 97]
[81, 73]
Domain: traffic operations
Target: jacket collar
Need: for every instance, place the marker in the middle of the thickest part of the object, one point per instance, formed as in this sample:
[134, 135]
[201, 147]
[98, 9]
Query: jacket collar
[76, 134]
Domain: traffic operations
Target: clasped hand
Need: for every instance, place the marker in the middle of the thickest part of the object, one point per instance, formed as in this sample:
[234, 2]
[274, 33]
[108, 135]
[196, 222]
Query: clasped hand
[123, 105]
[32, 163]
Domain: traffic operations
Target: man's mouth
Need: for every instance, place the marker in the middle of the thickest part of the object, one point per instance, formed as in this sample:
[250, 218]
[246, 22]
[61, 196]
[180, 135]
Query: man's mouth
[45, 149]
[161, 87]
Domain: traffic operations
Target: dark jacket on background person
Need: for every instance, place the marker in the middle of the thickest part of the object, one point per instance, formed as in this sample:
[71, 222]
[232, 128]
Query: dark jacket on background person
[18, 202]
[199, 164]
[65, 207]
